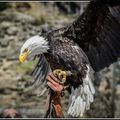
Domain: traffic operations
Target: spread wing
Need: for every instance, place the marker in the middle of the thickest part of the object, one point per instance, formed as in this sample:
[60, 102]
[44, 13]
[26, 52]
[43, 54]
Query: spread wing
[97, 32]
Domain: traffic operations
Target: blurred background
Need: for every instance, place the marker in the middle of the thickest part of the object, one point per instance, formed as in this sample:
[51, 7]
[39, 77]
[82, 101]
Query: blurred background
[18, 22]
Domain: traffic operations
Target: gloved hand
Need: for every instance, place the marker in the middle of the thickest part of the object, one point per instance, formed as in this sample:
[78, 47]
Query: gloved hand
[53, 83]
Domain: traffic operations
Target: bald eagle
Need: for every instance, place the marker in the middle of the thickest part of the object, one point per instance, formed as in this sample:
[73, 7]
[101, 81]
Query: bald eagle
[90, 43]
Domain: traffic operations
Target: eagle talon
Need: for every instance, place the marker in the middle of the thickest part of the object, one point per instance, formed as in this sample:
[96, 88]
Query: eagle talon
[61, 75]
[57, 71]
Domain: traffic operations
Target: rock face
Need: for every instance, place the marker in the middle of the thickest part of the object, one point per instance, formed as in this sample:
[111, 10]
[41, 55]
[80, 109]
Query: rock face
[15, 29]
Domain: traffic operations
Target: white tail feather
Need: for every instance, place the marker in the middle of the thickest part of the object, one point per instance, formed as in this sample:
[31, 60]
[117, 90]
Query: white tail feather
[82, 102]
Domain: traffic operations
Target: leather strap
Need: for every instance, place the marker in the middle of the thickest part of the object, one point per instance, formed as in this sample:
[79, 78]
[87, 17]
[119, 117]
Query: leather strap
[54, 107]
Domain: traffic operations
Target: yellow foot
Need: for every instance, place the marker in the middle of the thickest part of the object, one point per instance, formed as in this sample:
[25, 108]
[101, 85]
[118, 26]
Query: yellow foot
[61, 75]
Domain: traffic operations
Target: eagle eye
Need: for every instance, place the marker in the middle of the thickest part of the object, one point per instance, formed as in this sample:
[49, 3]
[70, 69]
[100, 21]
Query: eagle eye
[25, 50]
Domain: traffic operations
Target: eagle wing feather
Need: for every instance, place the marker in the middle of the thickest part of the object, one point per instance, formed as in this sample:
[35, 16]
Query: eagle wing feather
[97, 32]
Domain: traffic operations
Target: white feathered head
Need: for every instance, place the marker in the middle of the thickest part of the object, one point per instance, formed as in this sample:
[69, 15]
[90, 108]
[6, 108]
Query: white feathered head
[33, 46]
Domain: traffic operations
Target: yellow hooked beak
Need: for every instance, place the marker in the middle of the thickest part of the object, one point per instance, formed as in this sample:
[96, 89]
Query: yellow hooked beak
[23, 57]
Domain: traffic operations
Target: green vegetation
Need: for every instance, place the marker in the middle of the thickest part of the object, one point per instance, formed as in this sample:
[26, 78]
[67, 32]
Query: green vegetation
[40, 20]
[3, 6]
[26, 67]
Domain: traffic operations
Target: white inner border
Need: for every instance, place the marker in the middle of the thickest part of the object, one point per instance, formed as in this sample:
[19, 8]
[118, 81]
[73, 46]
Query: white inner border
[46, 1]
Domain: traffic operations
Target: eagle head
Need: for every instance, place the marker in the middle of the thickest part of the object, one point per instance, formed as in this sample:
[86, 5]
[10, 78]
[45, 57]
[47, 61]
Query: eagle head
[35, 45]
